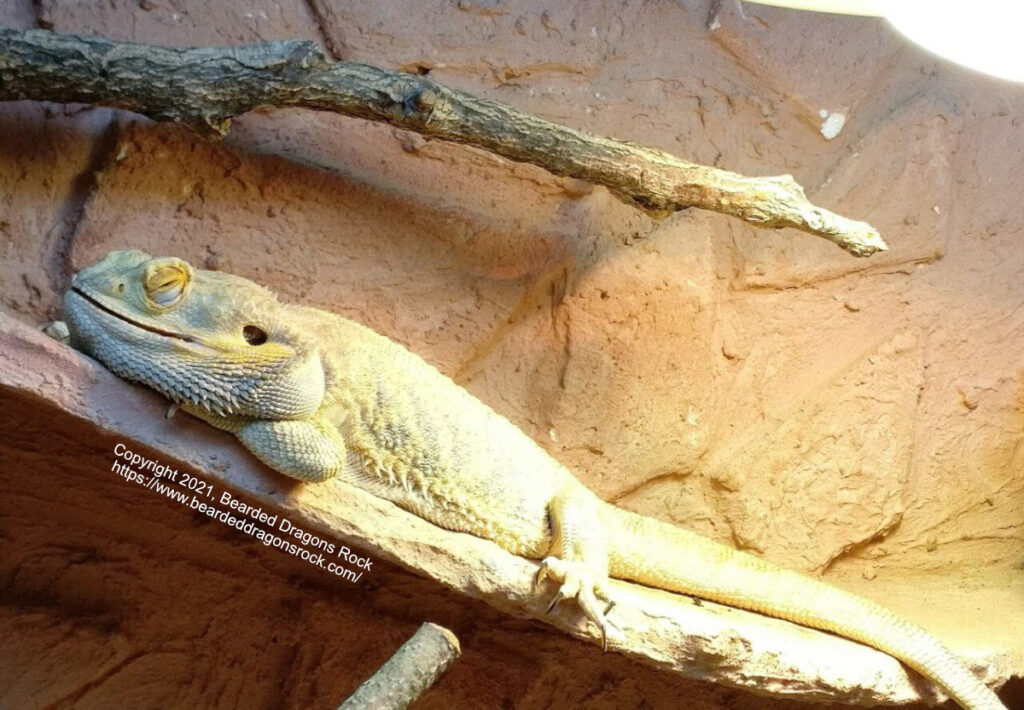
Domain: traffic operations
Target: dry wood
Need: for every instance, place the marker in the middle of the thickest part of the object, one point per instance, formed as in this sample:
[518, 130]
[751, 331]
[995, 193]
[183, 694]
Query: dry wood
[404, 677]
[205, 87]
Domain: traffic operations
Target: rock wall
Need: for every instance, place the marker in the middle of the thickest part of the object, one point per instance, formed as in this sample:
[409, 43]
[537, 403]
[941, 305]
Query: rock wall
[859, 418]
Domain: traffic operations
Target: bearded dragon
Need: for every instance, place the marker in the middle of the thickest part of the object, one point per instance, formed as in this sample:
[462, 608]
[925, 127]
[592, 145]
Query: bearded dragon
[316, 396]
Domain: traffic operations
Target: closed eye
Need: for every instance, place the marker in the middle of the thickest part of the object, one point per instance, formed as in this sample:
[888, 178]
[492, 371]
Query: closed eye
[165, 285]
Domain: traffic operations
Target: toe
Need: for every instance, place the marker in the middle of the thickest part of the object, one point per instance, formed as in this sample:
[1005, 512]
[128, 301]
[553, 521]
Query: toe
[578, 582]
[589, 605]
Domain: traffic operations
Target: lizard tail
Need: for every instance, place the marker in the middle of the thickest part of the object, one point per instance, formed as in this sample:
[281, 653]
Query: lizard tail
[660, 555]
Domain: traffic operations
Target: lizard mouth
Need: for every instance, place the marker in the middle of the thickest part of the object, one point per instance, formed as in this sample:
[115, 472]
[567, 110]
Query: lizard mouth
[111, 311]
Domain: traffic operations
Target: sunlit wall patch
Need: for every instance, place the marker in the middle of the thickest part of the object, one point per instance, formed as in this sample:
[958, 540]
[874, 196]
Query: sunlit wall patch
[982, 35]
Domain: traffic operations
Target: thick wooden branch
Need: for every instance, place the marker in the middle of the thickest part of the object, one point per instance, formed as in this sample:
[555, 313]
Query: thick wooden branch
[404, 677]
[40, 377]
[205, 87]
[703, 641]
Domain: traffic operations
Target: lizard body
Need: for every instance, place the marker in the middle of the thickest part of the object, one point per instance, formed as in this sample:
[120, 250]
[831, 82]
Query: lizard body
[317, 396]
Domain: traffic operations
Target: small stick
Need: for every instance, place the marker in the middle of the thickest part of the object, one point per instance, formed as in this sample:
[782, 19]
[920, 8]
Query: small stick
[404, 677]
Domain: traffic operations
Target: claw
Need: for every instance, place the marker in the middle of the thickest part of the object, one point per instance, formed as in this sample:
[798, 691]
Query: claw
[542, 573]
[605, 625]
[608, 609]
[554, 601]
[171, 410]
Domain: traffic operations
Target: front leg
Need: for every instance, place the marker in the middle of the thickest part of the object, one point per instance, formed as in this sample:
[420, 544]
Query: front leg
[306, 449]
[578, 558]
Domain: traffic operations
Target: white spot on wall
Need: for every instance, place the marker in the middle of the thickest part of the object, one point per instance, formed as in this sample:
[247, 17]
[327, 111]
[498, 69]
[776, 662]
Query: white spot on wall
[832, 124]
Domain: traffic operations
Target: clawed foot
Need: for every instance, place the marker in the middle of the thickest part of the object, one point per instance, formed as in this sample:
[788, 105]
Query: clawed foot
[580, 582]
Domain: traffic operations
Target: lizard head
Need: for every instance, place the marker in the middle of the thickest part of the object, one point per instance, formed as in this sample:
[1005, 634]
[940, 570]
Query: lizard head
[213, 340]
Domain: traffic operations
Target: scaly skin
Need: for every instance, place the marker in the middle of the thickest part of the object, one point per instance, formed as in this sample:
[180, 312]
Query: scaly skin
[316, 396]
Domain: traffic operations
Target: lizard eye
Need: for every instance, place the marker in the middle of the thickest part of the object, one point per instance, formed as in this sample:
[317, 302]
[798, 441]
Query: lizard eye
[165, 283]
[254, 335]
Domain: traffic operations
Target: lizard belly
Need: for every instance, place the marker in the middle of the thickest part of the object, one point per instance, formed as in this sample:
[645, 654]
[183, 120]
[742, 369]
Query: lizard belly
[485, 505]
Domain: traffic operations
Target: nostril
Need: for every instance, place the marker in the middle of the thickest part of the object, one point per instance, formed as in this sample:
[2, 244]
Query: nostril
[119, 287]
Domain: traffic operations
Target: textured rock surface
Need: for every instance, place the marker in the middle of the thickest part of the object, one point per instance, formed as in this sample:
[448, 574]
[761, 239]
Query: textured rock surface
[701, 641]
[859, 417]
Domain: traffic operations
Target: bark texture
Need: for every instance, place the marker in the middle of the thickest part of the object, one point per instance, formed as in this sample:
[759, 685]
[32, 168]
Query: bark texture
[409, 673]
[206, 87]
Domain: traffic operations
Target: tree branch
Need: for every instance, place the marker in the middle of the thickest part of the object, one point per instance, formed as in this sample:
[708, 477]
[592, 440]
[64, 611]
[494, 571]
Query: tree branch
[413, 668]
[205, 87]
